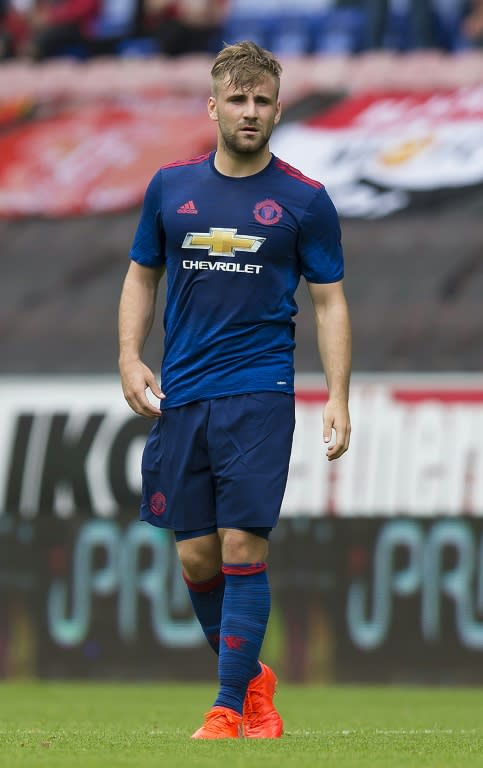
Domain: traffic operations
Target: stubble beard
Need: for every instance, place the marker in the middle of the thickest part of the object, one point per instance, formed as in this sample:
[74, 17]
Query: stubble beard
[237, 148]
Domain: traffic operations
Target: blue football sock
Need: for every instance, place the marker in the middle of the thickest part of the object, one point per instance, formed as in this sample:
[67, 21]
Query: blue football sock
[207, 600]
[246, 608]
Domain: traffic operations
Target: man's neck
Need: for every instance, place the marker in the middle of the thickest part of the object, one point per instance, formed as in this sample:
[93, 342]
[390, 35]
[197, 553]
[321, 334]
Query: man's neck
[241, 165]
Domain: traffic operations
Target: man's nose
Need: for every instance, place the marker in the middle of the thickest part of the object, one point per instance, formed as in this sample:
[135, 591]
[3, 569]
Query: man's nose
[250, 108]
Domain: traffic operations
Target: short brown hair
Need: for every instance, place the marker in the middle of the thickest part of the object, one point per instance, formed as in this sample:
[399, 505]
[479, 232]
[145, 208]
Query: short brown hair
[244, 64]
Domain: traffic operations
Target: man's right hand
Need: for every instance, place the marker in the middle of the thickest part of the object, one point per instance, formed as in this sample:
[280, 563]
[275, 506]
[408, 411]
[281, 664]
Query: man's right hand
[136, 379]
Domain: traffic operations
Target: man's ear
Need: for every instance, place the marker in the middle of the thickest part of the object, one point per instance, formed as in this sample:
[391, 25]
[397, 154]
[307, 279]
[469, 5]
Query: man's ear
[278, 113]
[212, 111]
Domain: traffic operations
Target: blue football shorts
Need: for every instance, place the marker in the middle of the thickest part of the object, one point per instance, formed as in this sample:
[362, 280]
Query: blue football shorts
[220, 463]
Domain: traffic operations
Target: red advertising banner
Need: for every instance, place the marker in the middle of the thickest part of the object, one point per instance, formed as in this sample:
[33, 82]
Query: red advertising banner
[99, 156]
[378, 153]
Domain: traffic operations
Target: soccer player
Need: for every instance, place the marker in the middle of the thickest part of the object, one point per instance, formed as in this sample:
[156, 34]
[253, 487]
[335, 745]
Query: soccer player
[234, 230]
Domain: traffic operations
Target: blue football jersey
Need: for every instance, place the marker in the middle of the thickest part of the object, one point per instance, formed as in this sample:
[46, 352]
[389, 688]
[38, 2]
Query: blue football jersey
[234, 250]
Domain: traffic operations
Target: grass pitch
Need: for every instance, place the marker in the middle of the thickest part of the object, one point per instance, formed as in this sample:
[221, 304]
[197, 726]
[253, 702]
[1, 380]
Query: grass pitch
[89, 725]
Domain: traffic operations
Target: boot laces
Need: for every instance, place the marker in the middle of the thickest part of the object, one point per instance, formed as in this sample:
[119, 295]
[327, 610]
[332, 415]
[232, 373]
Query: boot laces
[254, 702]
[218, 714]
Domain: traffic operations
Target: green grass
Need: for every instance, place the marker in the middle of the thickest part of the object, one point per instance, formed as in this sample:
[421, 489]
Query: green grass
[89, 725]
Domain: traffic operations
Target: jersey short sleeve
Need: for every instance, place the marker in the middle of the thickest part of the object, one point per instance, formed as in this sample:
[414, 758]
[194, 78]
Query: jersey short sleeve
[148, 244]
[320, 247]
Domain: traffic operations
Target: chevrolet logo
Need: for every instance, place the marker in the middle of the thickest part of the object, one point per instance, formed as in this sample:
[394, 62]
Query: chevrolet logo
[222, 242]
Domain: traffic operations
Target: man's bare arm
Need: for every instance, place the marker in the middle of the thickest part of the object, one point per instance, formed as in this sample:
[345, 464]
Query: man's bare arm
[136, 314]
[334, 341]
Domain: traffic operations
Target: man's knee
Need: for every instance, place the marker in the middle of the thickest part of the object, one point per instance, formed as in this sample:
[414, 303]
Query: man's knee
[240, 546]
[200, 557]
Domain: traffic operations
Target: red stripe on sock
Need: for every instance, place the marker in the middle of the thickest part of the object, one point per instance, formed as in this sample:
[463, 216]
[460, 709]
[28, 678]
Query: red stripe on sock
[204, 586]
[244, 570]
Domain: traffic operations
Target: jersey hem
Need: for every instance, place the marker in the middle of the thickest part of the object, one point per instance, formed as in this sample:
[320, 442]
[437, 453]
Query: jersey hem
[233, 393]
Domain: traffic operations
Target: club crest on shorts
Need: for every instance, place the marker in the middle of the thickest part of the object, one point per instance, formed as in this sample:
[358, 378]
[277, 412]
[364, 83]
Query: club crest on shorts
[157, 504]
[268, 212]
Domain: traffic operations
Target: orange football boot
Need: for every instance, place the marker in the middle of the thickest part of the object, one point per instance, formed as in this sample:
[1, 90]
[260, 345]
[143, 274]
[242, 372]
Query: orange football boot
[260, 718]
[220, 723]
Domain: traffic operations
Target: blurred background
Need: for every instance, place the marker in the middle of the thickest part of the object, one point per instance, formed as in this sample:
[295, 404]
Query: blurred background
[377, 563]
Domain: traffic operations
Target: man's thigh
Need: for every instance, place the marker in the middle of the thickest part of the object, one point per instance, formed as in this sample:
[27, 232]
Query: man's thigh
[178, 487]
[249, 442]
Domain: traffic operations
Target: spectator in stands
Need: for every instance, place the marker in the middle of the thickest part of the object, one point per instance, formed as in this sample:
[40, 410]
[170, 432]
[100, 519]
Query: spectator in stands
[421, 22]
[14, 28]
[472, 25]
[185, 26]
[55, 26]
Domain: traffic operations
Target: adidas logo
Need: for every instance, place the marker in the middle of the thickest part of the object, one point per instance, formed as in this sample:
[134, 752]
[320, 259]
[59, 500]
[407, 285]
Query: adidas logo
[188, 207]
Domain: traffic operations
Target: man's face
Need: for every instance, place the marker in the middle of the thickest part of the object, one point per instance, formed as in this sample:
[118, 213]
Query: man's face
[245, 116]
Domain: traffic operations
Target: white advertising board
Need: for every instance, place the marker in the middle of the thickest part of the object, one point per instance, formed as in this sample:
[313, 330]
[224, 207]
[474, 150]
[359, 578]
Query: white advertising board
[70, 445]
